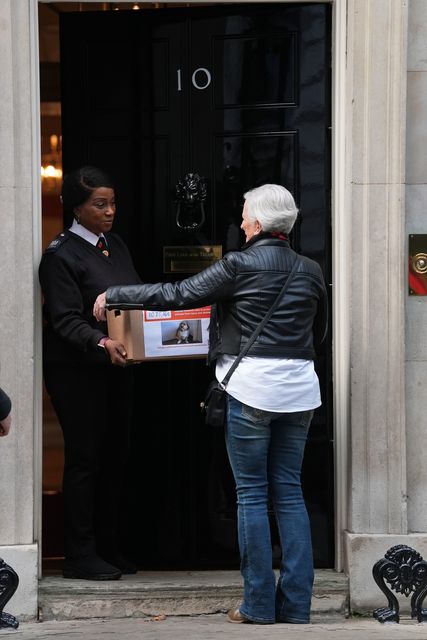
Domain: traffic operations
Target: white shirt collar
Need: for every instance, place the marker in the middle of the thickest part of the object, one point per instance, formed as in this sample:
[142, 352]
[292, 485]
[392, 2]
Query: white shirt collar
[84, 233]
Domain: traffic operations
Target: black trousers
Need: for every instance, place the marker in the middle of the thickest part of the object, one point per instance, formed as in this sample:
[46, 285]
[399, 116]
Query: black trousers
[94, 408]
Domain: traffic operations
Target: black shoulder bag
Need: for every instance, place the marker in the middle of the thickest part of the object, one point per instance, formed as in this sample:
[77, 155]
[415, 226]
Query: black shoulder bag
[215, 403]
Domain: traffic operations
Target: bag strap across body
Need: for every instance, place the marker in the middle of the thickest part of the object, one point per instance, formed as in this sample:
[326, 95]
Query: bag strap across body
[223, 384]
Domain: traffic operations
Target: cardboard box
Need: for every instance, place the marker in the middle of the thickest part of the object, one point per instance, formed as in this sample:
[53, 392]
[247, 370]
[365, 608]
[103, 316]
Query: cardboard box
[161, 335]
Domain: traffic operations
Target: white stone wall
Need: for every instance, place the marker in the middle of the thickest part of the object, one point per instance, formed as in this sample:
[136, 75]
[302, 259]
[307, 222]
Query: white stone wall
[17, 317]
[376, 86]
[376, 144]
[416, 306]
[389, 470]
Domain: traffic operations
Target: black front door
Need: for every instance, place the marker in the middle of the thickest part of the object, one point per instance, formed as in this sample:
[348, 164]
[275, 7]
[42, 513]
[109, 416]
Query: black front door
[240, 95]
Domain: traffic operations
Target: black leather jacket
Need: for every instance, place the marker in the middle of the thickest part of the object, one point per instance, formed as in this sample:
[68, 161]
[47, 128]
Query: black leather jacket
[242, 287]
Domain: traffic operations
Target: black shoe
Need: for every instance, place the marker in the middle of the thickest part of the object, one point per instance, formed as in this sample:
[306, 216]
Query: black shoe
[125, 565]
[90, 568]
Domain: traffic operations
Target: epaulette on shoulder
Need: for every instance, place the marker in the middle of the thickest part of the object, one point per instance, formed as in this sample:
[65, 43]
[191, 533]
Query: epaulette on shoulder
[57, 242]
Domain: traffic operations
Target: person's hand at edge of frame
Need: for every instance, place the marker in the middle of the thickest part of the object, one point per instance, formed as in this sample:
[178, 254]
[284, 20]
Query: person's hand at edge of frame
[5, 425]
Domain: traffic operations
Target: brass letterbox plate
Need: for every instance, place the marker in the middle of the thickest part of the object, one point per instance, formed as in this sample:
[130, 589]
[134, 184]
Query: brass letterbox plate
[417, 267]
[190, 259]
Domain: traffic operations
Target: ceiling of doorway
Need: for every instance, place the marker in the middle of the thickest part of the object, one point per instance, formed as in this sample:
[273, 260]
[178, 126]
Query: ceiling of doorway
[49, 19]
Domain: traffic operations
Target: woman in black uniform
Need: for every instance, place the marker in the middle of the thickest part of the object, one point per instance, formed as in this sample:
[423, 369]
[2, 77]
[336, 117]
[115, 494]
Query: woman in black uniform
[91, 397]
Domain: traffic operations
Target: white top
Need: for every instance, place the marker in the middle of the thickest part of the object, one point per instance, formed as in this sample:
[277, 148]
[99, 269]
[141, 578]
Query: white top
[280, 385]
[84, 233]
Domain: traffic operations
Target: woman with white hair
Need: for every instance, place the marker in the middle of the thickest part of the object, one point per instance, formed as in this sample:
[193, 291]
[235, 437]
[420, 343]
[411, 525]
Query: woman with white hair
[271, 395]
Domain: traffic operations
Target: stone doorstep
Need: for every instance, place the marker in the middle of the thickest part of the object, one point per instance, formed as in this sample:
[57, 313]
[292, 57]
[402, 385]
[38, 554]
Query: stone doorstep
[149, 594]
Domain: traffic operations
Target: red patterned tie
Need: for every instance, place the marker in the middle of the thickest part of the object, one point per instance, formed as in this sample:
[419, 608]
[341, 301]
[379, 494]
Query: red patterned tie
[102, 246]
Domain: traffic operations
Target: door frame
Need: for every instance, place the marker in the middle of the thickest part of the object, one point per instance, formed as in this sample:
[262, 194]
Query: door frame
[341, 250]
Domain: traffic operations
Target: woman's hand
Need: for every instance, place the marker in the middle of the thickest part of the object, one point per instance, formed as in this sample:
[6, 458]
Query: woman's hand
[99, 307]
[5, 425]
[116, 351]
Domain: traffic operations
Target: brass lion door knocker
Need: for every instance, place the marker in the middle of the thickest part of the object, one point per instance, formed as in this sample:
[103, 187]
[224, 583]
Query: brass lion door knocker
[190, 195]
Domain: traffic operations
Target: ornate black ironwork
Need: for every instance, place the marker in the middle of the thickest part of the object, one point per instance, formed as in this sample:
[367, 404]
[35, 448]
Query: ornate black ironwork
[406, 572]
[8, 585]
[190, 195]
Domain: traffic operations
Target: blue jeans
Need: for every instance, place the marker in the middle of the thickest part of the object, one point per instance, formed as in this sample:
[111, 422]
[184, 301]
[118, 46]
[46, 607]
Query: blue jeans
[266, 450]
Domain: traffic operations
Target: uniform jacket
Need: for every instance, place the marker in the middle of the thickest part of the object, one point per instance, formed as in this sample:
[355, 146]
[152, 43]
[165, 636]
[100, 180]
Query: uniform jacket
[72, 274]
[242, 287]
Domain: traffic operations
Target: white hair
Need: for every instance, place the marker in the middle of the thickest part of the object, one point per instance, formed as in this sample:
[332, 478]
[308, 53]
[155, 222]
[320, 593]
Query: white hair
[273, 206]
